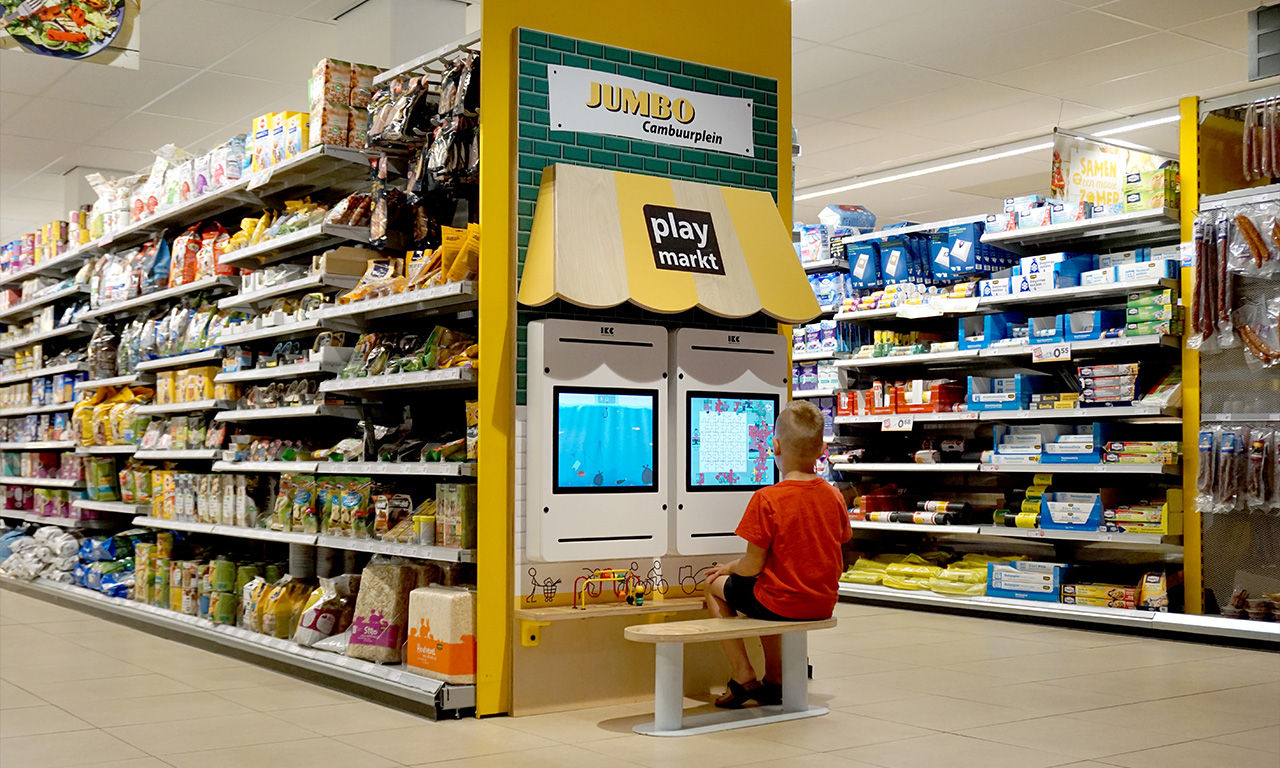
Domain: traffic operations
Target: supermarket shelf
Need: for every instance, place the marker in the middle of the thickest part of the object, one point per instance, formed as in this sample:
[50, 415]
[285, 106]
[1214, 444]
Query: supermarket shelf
[880, 234]
[867, 525]
[404, 468]
[211, 283]
[1246, 196]
[867, 314]
[304, 467]
[58, 265]
[422, 301]
[42, 482]
[182, 361]
[905, 467]
[1053, 414]
[282, 332]
[193, 454]
[106, 450]
[1095, 345]
[1125, 230]
[61, 522]
[440, 554]
[401, 382]
[34, 409]
[1171, 623]
[980, 355]
[308, 283]
[825, 265]
[925, 358]
[810, 357]
[77, 328]
[32, 306]
[800, 394]
[195, 406]
[1136, 539]
[1226, 418]
[289, 412]
[439, 56]
[128, 380]
[51, 370]
[114, 507]
[871, 419]
[291, 371]
[390, 680]
[40, 445]
[263, 534]
[173, 525]
[312, 238]
[1080, 469]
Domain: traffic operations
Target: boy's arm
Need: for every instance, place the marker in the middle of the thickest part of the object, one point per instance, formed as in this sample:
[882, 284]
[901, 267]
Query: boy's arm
[752, 563]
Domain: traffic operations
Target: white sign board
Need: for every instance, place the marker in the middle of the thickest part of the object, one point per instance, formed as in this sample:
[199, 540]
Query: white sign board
[598, 102]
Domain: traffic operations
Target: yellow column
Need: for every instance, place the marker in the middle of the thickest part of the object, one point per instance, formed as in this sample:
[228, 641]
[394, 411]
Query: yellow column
[1189, 166]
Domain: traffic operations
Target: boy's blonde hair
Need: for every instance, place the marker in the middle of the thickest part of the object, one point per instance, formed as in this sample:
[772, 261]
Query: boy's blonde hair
[799, 429]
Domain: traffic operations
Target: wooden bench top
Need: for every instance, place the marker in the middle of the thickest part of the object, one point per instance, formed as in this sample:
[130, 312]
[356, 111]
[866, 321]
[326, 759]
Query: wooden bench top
[602, 610]
[708, 630]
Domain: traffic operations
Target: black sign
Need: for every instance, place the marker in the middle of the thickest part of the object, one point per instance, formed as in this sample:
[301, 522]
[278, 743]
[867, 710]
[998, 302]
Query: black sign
[683, 240]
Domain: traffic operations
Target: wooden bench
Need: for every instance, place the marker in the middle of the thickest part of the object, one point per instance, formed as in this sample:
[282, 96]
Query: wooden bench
[668, 689]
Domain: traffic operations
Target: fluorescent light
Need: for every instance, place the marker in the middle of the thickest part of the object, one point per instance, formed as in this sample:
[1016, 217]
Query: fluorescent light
[981, 158]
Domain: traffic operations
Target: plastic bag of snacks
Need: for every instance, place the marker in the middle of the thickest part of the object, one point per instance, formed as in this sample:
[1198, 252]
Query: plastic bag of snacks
[328, 610]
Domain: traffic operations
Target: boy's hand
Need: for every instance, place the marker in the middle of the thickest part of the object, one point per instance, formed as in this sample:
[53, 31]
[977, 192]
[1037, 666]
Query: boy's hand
[718, 570]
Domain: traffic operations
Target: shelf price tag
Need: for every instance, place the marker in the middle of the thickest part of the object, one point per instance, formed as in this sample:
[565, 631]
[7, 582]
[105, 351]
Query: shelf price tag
[260, 178]
[1048, 353]
[899, 423]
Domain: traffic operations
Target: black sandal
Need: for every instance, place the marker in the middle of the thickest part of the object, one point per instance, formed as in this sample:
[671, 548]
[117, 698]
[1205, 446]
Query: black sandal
[739, 695]
[769, 693]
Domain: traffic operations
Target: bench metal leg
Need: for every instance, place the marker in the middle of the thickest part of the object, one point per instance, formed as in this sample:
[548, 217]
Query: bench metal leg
[795, 672]
[668, 687]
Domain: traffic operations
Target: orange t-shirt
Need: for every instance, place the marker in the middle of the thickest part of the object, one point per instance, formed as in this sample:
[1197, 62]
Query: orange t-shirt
[801, 524]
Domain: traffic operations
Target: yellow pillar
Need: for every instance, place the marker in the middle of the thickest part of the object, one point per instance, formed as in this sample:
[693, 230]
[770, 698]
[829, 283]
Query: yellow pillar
[1189, 167]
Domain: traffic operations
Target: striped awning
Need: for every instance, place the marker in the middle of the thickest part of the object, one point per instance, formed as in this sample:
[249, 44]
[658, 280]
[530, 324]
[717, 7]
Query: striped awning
[601, 238]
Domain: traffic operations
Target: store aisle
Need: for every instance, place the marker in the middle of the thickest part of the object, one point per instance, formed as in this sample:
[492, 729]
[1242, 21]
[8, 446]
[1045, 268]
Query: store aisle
[907, 690]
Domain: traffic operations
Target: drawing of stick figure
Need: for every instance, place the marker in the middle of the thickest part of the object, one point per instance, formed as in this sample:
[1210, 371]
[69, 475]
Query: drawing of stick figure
[547, 586]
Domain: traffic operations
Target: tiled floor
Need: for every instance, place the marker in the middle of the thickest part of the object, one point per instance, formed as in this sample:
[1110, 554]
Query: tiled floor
[906, 689]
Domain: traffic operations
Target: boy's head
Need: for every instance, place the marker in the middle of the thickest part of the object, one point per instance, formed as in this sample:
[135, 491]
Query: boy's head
[797, 438]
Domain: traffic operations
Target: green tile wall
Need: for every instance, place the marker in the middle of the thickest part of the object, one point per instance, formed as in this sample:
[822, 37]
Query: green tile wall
[538, 147]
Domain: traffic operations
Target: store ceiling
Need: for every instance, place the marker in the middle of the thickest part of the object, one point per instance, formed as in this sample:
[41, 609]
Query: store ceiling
[877, 86]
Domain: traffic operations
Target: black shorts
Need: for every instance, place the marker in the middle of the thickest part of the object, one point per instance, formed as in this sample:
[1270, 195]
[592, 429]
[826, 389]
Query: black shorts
[740, 594]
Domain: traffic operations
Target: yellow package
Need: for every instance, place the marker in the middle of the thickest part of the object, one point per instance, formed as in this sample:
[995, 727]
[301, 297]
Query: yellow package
[905, 582]
[378, 274]
[165, 387]
[856, 576]
[467, 265]
[260, 230]
[425, 272]
[964, 589]
[451, 240]
[912, 570]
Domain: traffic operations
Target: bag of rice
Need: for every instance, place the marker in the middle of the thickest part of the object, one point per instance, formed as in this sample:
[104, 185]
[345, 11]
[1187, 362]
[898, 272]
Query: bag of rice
[442, 634]
[382, 611]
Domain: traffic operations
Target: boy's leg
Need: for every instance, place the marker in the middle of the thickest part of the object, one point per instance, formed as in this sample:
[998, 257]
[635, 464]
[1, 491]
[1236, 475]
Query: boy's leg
[772, 645]
[735, 650]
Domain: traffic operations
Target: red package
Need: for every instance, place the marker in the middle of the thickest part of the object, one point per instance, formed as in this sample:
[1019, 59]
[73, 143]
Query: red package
[184, 257]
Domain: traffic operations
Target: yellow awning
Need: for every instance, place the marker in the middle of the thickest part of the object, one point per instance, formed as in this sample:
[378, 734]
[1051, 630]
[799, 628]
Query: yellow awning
[601, 238]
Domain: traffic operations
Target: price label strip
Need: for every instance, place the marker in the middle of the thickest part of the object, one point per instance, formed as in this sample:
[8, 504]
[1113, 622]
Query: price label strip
[901, 423]
[1049, 353]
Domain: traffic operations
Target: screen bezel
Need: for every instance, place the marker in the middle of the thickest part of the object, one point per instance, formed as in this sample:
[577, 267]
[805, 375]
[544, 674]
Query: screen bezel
[688, 436]
[556, 488]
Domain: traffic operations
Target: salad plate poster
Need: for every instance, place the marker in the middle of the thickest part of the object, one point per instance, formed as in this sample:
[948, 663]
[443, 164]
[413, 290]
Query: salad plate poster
[97, 31]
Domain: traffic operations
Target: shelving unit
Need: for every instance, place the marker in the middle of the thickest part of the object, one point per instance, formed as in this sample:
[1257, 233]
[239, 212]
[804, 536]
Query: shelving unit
[976, 355]
[128, 380]
[195, 406]
[1131, 539]
[357, 315]
[185, 360]
[39, 445]
[212, 284]
[189, 454]
[291, 371]
[276, 249]
[114, 507]
[43, 482]
[61, 522]
[69, 330]
[309, 283]
[58, 265]
[51, 370]
[279, 332]
[815, 357]
[401, 382]
[32, 306]
[35, 409]
[289, 412]
[106, 450]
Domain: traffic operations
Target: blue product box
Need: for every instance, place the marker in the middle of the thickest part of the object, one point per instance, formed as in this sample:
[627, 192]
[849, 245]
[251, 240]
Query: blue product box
[864, 264]
[1086, 326]
[973, 333]
[1074, 511]
[1146, 270]
[999, 327]
[895, 260]
[1003, 394]
[1046, 330]
[852, 216]
[1084, 446]
[1025, 580]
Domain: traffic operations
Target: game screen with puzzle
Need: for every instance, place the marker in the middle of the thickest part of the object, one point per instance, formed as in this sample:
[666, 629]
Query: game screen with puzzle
[605, 440]
[730, 441]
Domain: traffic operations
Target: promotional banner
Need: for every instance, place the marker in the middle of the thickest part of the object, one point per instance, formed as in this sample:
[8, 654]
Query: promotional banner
[1094, 171]
[598, 102]
[99, 31]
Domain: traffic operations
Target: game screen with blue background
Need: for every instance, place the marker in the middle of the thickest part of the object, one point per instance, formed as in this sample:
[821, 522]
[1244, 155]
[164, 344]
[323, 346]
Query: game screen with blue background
[605, 440]
[730, 441]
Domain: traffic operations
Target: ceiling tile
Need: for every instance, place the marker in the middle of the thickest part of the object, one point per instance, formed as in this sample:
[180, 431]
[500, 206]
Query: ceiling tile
[21, 207]
[1167, 15]
[131, 89]
[26, 155]
[825, 20]
[146, 132]
[823, 65]
[963, 179]
[865, 156]
[22, 72]
[12, 229]
[196, 33]
[124, 162]
[1165, 85]
[283, 7]
[1229, 31]
[965, 98]
[1036, 117]
[49, 187]
[287, 52]
[65, 121]
[832, 134]
[216, 97]
[1132, 57]
[325, 10]
[1028, 184]
[11, 103]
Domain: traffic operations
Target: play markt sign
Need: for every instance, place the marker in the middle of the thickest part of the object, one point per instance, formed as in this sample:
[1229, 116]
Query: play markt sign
[591, 101]
[683, 240]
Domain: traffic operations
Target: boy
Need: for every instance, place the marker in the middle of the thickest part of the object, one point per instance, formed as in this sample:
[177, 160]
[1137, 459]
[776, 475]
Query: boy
[794, 532]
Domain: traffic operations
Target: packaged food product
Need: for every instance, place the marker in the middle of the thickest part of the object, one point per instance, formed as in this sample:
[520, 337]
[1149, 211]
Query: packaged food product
[381, 615]
[328, 610]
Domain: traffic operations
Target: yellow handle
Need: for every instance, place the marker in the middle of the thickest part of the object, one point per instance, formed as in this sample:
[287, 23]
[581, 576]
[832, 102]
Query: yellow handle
[531, 632]
[658, 618]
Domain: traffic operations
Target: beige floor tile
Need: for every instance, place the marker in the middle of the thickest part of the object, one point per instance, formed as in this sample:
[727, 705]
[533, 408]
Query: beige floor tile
[247, 676]
[75, 627]
[107, 689]
[1247, 699]
[162, 739]
[1080, 638]
[1174, 716]
[941, 713]
[289, 694]
[1038, 699]
[580, 726]
[166, 657]
[926, 680]
[841, 692]
[1051, 666]
[13, 697]
[962, 650]
[451, 740]
[1262, 739]
[155, 709]
[1196, 754]
[312, 753]
[856, 641]
[820, 760]
[559, 756]
[827, 664]
[1169, 680]
[1240, 657]
[144, 762]
[714, 750]
[78, 665]
[32, 721]
[350, 717]
[1077, 739]
[948, 749]
[836, 730]
[65, 750]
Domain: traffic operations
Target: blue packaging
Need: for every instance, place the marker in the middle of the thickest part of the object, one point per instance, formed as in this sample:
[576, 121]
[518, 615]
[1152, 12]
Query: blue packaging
[1026, 580]
[1087, 326]
[851, 216]
[864, 264]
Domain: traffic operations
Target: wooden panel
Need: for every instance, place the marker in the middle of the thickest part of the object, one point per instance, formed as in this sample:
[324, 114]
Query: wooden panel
[658, 291]
[537, 281]
[710, 630]
[731, 294]
[756, 221]
[569, 613]
[590, 263]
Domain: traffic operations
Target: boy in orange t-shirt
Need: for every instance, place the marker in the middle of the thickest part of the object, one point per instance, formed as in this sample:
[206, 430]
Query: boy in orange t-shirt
[794, 532]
